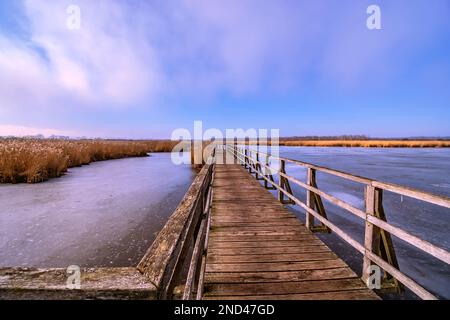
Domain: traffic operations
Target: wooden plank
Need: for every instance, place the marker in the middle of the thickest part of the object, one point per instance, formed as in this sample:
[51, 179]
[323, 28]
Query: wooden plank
[267, 250]
[258, 208]
[229, 182]
[266, 207]
[275, 266]
[254, 231]
[231, 223]
[259, 238]
[253, 218]
[252, 225]
[248, 190]
[238, 289]
[252, 189]
[264, 244]
[243, 213]
[259, 258]
[363, 294]
[263, 225]
[244, 202]
[282, 276]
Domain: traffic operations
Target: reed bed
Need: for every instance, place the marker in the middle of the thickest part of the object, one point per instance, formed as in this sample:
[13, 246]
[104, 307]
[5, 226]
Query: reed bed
[369, 143]
[37, 160]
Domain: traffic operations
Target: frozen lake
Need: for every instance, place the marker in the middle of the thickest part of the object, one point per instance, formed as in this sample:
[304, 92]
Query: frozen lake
[104, 214]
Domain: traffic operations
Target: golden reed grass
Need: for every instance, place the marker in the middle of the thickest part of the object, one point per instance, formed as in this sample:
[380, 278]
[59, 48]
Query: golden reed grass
[369, 143]
[37, 160]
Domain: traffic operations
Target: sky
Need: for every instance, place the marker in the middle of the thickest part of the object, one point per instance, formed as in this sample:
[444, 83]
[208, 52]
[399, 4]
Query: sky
[142, 69]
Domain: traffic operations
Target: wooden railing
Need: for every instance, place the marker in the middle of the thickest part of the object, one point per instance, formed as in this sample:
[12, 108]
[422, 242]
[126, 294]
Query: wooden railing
[177, 257]
[378, 247]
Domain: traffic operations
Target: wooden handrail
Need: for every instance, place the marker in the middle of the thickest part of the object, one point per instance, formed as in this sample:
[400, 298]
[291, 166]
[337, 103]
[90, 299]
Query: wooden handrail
[368, 216]
[165, 262]
[201, 279]
[439, 200]
[196, 275]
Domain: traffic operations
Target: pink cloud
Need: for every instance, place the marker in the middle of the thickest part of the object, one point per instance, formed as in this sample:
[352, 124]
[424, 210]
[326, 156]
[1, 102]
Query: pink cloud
[21, 131]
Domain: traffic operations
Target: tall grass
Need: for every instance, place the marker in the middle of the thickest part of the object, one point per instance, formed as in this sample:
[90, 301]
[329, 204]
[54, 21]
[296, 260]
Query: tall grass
[37, 160]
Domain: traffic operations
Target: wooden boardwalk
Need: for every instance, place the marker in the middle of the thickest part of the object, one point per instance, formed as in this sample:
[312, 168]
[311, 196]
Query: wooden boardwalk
[230, 238]
[258, 249]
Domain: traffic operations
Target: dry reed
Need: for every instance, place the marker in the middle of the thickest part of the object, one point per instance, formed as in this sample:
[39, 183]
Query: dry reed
[37, 160]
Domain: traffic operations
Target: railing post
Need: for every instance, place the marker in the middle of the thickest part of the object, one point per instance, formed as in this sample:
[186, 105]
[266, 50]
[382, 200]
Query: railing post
[245, 158]
[236, 161]
[249, 160]
[266, 184]
[257, 165]
[309, 198]
[370, 233]
[281, 169]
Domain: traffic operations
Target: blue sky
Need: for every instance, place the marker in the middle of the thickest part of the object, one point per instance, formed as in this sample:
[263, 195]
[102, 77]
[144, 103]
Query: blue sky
[141, 69]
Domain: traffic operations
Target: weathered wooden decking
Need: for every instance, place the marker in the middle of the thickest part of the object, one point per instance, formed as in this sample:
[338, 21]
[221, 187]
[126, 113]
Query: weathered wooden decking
[258, 249]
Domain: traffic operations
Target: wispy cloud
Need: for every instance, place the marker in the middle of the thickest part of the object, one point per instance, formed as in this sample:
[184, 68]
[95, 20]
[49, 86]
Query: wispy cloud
[21, 131]
[105, 63]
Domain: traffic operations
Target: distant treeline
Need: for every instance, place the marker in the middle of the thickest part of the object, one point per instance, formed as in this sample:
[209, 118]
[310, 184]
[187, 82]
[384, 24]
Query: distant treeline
[360, 138]
[370, 143]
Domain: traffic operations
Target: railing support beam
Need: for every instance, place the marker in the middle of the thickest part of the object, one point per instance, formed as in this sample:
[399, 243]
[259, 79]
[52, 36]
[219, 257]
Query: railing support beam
[284, 184]
[268, 175]
[314, 201]
[378, 241]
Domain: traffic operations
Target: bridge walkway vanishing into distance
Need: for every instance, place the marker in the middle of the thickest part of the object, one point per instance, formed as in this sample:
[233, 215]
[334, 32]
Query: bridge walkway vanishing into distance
[230, 238]
[258, 249]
